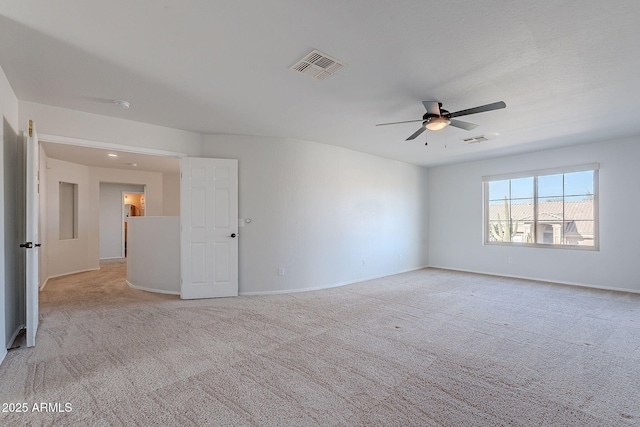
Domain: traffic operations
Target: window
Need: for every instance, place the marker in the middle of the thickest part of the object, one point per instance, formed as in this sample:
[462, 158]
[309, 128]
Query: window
[556, 208]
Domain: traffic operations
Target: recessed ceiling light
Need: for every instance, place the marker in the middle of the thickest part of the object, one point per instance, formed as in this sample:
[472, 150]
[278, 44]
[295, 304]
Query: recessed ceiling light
[112, 155]
[122, 104]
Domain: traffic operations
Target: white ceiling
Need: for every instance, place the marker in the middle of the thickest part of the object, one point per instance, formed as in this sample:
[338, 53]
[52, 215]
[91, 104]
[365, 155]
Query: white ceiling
[567, 70]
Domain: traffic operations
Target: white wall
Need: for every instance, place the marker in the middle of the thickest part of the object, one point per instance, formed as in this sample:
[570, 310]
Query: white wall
[9, 317]
[76, 124]
[153, 200]
[110, 217]
[83, 253]
[455, 214]
[68, 255]
[320, 211]
[153, 254]
[171, 194]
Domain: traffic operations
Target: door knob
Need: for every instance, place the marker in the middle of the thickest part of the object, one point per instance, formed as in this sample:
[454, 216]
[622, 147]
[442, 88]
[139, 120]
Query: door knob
[233, 235]
[27, 245]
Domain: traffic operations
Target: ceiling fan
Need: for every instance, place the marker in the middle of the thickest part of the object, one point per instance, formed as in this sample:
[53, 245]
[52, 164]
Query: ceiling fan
[437, 118]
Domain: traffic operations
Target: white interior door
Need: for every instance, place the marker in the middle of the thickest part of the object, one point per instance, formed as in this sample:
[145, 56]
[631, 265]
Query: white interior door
[208, 228]
[33, 242]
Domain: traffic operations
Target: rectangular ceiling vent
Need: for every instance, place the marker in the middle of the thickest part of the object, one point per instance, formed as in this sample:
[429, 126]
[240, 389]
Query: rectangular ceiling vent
[318, 65]
[476, 139]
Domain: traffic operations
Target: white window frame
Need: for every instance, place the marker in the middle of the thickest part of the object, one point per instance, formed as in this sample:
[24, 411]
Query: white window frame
[595, 167]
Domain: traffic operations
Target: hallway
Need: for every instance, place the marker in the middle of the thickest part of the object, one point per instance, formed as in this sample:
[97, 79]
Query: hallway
[71, 295]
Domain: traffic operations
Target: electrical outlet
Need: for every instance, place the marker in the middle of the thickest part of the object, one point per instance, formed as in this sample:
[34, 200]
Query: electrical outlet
[363, 263]
[510, 260]
[281, 271]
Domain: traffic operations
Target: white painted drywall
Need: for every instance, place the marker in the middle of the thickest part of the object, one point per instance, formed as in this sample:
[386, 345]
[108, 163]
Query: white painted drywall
[83, 253]
[455, 215]
[153, 253]
[153, 200]
[9, 299]
[76, 124]
[171, 194]
[68, 255]
[320, 211]
[110, 217]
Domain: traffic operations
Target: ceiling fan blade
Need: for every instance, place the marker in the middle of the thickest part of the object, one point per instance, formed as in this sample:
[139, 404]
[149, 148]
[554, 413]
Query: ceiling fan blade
[480, 109]
[397, 123]
[463, 125]
[432, 107]
[415, 135]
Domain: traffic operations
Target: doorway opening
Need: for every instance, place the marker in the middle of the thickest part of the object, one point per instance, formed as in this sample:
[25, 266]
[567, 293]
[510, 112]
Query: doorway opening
[132, 206]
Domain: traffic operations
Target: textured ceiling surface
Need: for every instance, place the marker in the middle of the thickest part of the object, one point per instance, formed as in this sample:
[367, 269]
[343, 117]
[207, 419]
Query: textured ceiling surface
[567, 70]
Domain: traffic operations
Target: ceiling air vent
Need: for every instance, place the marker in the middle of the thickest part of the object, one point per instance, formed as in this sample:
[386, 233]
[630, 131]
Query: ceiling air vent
[475, 139]
[318, 65]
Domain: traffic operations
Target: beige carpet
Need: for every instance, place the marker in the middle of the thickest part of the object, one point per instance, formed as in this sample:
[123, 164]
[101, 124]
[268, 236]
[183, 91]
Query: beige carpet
[428, 348]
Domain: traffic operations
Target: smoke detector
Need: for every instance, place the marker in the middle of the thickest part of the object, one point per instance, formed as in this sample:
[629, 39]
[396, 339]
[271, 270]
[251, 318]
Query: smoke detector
[122, 104]
[318, 65]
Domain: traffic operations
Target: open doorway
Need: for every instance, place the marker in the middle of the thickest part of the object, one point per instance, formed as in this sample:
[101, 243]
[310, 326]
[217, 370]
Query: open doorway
[132, 206]
[114, 210]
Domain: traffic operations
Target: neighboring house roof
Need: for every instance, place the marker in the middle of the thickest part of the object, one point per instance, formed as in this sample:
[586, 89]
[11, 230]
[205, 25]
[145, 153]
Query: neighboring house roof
[578, 214]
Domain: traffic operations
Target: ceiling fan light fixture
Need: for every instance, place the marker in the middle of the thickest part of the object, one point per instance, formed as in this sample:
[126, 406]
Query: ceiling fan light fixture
[437, 123]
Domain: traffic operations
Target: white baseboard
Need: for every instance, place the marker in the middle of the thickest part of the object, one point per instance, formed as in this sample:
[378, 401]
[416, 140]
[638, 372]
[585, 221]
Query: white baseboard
[67, 274]
[3, 354]
[332, 285]
[157, 291]
[536, 279]
[113, 257]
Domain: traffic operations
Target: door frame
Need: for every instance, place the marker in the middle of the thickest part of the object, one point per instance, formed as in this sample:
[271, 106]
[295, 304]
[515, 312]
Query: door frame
[42, 137]
[108, 146]
[80, 142]
[124, 217]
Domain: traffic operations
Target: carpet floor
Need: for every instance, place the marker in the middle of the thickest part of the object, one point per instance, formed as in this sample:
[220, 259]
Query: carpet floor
[425, 348]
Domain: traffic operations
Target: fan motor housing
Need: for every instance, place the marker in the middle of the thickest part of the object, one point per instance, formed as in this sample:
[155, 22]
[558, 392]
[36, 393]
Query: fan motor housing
[443, 113]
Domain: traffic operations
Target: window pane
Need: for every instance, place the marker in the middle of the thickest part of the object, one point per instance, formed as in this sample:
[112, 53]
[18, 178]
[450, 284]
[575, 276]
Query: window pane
[522, 210]
[498, 190]
[578, 208]
[522, 220]
[499, 210]
[550, 186]
[502, 231]
[549, 233]
[492, 232]
[578, 183]
[579, 233]
[522, 188]
[550, 211]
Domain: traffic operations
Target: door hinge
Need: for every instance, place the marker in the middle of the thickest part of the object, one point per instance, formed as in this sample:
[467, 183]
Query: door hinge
[30, 127]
